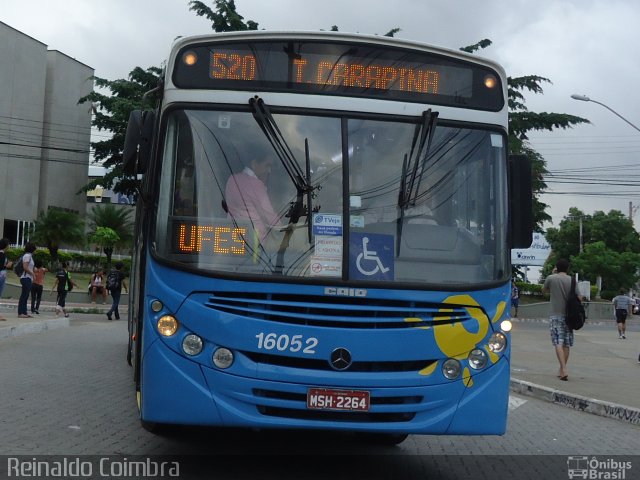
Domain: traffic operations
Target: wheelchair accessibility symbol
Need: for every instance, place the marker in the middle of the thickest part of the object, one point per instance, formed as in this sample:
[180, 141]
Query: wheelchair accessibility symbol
[371, 256]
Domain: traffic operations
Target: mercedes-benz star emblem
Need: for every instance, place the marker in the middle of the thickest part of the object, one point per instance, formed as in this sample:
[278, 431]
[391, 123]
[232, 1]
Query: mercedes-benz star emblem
[340, 359]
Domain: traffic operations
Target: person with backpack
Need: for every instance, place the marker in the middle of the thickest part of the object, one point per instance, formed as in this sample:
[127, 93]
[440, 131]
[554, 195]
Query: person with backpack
[558, 285]
[26, 279]
[62, 285]
[115, 284]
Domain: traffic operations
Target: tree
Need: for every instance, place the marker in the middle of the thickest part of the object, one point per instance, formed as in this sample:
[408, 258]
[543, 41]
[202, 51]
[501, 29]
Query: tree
[56, 227]
[522, 121]
[611, 247]
[617, 269]
[107, 238]
[225, 19]
[111, 113]
[116, 219]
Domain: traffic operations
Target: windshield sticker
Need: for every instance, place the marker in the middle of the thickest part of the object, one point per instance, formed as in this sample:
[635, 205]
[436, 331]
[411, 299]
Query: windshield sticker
[356, 221]
[325, 266]
[327, 224]
[371, 256]
[328, 246]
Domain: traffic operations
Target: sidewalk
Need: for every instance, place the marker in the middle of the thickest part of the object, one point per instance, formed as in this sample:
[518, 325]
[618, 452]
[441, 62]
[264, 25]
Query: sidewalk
[604, 374]
[46, 320]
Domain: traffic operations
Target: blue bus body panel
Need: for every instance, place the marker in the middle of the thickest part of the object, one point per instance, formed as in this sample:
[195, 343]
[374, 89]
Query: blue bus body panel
[282, 337]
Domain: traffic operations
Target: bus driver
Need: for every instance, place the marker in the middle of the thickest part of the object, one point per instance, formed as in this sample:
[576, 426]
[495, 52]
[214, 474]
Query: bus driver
[246, 195]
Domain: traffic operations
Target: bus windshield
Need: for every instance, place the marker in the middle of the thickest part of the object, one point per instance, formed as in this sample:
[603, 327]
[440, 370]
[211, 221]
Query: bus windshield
[333, 197]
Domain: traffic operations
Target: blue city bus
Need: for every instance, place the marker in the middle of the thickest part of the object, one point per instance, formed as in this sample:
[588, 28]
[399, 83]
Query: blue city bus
[357, 280]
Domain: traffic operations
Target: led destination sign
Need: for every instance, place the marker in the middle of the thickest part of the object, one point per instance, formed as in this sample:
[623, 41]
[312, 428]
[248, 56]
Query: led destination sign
[209, 239]
[317, 70]
[339, 68]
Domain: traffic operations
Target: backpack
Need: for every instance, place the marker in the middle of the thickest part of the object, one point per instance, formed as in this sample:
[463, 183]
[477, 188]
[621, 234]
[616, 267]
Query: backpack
[18, 267]
[63, 280]
[575, 314]
[113, 280]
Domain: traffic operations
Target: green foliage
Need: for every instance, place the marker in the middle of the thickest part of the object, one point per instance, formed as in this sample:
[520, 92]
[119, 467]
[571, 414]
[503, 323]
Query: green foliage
[225, 18]
[79, 262]
[111, 113]
[611, 247]
[115, 218]
[476, 46]
[105, 237]
[532, 289]
[56, 227]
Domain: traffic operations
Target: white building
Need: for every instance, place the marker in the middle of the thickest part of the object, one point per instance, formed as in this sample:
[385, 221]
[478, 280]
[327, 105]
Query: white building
[44, 132]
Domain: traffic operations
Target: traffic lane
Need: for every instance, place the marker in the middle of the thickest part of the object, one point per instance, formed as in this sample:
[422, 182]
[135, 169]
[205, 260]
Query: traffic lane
[70, 392]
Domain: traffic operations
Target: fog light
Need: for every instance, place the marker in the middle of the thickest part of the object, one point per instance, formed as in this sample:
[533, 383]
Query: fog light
[192, 344]
[506, 326]
[167, 325]
[497, 342]
[222, 358]
[477, 359]
[156, 306]
[451, 368]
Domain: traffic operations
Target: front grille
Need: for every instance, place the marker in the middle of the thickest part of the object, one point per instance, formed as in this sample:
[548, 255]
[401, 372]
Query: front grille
[337, 312]
[346, 416]
[311, 364]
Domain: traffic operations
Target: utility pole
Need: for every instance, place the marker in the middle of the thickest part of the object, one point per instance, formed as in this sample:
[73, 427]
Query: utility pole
[580, 233]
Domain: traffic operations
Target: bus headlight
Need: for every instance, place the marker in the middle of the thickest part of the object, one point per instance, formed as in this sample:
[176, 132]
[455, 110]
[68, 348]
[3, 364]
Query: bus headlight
[167, 325]
[192, 344]
[477, 359]
[222, 357]
[506, 326]
[451, 368]
[497, 342]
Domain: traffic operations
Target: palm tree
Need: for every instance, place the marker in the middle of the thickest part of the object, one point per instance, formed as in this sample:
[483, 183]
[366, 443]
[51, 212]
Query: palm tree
[55, 227]
[117, 219]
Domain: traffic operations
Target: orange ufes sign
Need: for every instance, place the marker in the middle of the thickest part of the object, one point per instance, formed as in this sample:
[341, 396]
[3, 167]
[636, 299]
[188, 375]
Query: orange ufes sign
[214, 239]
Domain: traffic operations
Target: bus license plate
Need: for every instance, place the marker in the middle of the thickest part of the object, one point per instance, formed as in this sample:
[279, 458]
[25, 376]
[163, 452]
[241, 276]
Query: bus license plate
[327, 399]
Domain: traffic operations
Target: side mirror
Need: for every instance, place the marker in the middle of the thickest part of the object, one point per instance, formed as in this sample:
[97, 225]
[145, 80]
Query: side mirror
[520, 202]
[138, 141]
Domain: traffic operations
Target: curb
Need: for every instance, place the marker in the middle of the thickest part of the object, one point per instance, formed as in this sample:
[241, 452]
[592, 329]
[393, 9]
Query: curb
[33, 327]
[584, 404]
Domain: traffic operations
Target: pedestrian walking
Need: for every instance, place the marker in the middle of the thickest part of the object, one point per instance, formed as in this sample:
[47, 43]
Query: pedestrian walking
[63, 284]
[558, 285]
[622, 305]
[38, 286]
[115, 284]
[26, 279]
[5, 266]
[515, 297]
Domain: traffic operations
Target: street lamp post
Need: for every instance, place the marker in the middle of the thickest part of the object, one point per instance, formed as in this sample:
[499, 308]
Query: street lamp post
[584, 98]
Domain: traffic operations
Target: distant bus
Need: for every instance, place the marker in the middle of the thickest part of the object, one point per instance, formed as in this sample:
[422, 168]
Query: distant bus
[359, 280]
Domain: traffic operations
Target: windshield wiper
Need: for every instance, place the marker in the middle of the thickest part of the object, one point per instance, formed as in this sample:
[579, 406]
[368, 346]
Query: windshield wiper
[410, 179]
[301, 182]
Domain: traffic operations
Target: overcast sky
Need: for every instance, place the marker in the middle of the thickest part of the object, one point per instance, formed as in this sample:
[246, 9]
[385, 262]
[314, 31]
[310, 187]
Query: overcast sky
[583, 46]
